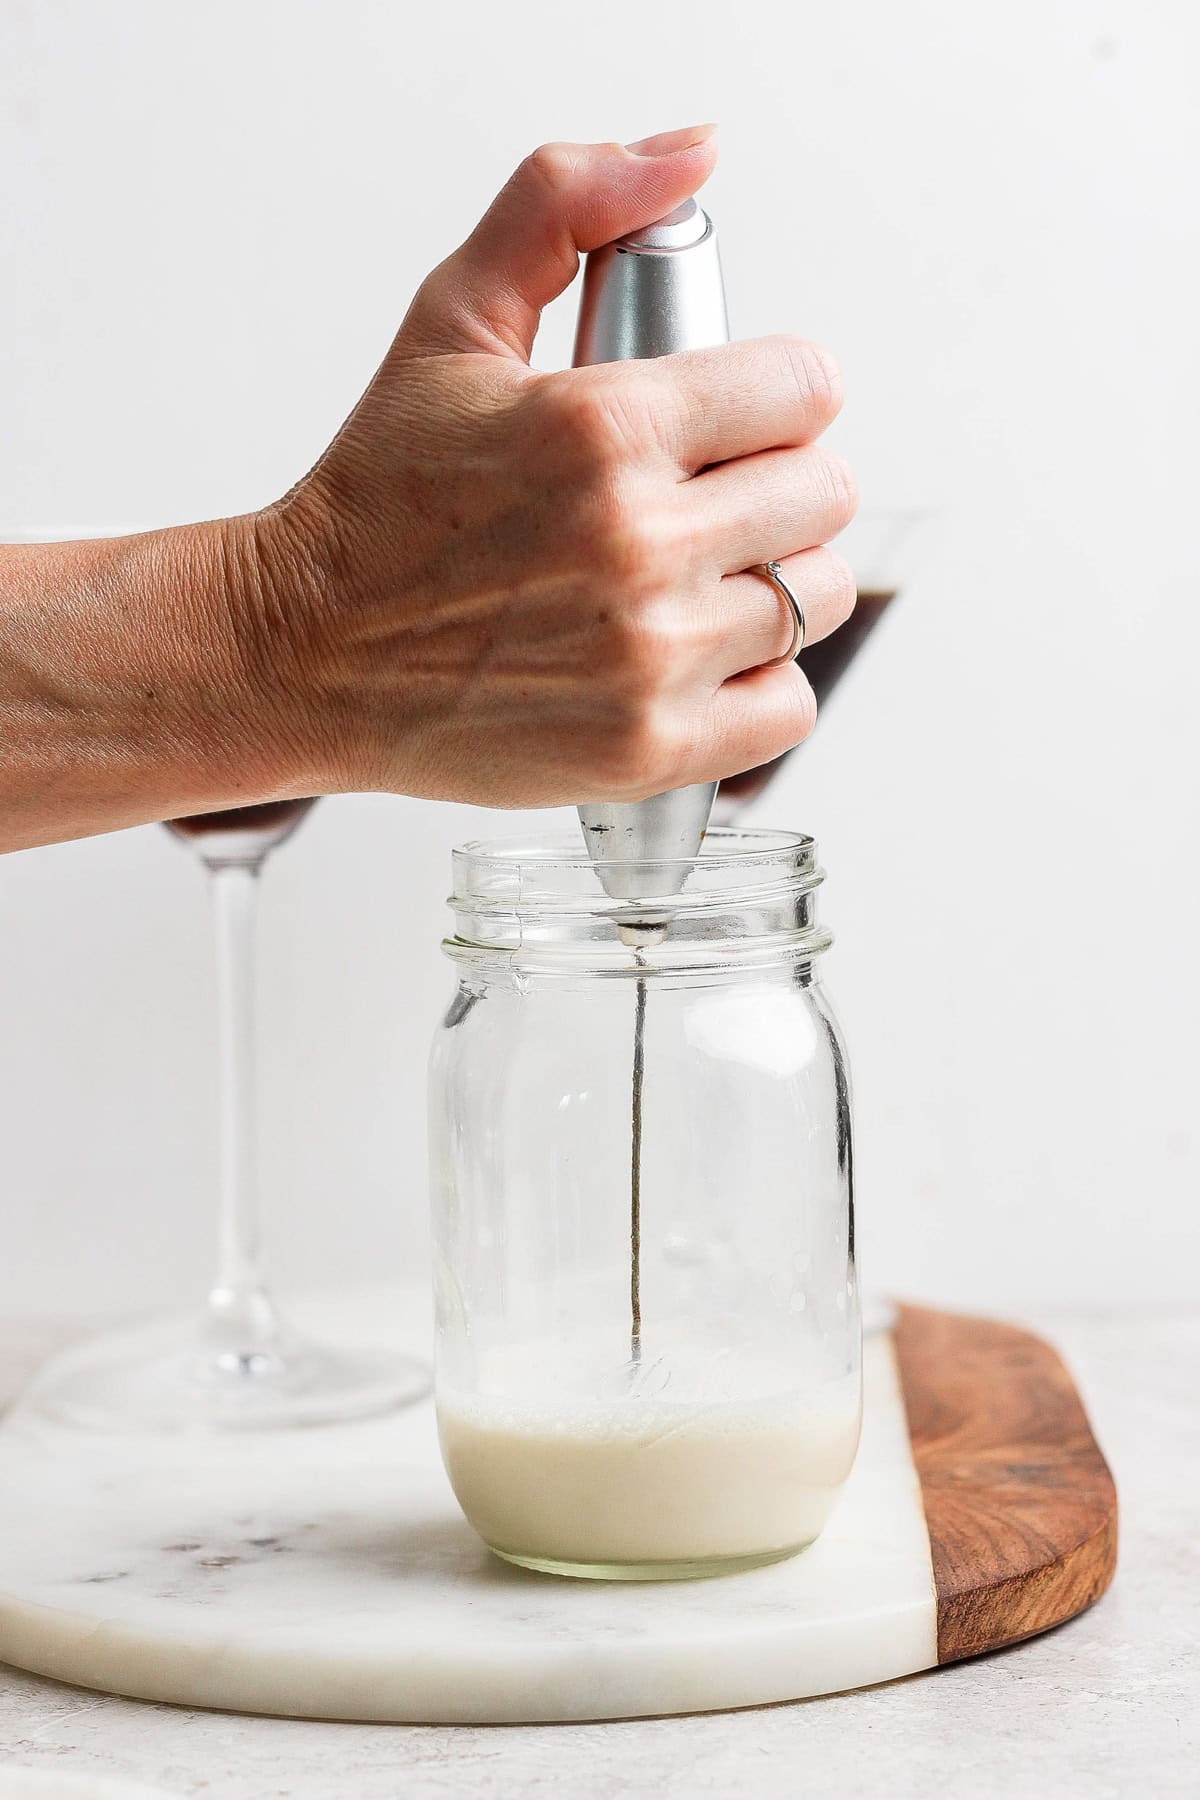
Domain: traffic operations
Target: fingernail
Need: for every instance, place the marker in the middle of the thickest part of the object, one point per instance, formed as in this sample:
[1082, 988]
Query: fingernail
[670, 143]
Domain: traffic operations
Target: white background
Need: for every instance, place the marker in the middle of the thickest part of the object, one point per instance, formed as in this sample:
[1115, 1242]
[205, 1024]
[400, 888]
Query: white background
[211, 218]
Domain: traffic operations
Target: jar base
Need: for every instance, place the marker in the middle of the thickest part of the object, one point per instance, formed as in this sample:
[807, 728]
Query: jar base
[694, 1569]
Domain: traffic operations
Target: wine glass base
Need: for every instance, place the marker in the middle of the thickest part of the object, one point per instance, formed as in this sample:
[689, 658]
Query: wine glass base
[178, 1379]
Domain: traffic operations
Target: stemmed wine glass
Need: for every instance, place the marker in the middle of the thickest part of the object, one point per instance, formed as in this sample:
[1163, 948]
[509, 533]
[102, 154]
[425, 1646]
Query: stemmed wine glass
[240, 1364]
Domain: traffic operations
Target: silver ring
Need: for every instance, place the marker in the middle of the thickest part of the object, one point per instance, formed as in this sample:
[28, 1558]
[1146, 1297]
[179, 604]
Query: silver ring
[771, 571]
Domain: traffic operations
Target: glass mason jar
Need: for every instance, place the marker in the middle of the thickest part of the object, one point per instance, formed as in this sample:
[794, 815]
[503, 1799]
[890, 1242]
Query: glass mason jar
[647, 1327]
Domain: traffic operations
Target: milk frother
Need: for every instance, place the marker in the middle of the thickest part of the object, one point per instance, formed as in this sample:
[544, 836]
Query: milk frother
[653, 292]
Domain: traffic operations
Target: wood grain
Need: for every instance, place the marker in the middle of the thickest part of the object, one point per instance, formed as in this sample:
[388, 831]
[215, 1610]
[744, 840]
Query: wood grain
[1019, 1501]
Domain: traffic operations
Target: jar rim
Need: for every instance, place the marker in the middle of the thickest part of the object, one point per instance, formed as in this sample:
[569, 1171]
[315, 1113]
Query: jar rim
[748, 883]
[724, 847]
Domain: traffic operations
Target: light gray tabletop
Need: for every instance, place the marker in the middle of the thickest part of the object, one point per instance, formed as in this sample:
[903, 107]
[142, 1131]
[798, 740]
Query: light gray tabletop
[1108, 1706]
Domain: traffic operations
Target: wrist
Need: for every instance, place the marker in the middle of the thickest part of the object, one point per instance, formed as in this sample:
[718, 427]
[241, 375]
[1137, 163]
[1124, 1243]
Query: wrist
[267, 576]
[209, 729]
[133, 686]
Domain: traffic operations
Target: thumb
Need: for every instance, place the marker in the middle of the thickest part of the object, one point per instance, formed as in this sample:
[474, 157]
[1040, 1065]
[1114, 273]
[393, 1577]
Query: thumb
[563, 200]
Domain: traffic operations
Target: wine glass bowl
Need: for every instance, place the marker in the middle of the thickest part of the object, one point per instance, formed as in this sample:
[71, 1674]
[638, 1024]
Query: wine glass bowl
[242, 834]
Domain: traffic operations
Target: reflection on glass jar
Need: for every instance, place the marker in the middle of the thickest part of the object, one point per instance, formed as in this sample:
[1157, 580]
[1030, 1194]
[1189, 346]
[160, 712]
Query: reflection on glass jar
[647, 1351]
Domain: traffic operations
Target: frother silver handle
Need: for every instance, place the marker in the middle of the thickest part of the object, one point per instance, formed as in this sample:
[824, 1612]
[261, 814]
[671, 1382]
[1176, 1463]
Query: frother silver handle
[654, 292]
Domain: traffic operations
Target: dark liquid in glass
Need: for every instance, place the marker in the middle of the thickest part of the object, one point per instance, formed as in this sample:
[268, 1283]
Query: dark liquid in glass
[824, 664]
[271, 815]
[241, 833]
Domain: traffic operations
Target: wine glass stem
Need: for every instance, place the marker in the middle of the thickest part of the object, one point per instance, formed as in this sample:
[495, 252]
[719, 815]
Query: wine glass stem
[237, 1297]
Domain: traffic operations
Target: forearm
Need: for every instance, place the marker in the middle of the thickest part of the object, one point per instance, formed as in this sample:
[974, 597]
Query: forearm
[128, 686]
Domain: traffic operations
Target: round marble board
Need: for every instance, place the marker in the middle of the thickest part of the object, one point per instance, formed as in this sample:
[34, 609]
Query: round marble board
[329, 1573]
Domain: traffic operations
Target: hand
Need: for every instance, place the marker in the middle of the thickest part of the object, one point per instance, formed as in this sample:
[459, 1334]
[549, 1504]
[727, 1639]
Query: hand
[498, 586]
[523, 589]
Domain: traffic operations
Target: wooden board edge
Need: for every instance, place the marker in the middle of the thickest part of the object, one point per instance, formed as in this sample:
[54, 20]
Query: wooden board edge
[1019, 1502]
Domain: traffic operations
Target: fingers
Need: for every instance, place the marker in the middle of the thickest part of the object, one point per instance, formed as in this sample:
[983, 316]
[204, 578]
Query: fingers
[760, 716]
[743, 621]
[751, 719]
[563, 200]
[734, 399]
[675, 740]
[700, 705]
[768, 506]
[754, 623]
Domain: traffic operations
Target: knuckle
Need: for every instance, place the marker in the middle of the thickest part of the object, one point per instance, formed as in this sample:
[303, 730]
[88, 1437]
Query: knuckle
[816, 375]
[616, 522]
[606, 536]
[837, 487]
[798, 715]
[842, 587]
[595, 423]
[549, 166]
[647, 643]
[638, 752]
[562, 411]
[582, 428]
[626, 403]
[631, 547]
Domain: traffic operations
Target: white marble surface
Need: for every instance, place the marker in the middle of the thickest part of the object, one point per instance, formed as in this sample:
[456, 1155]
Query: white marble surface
[1105, 1708]
[330, 1574]
[18, 1781]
